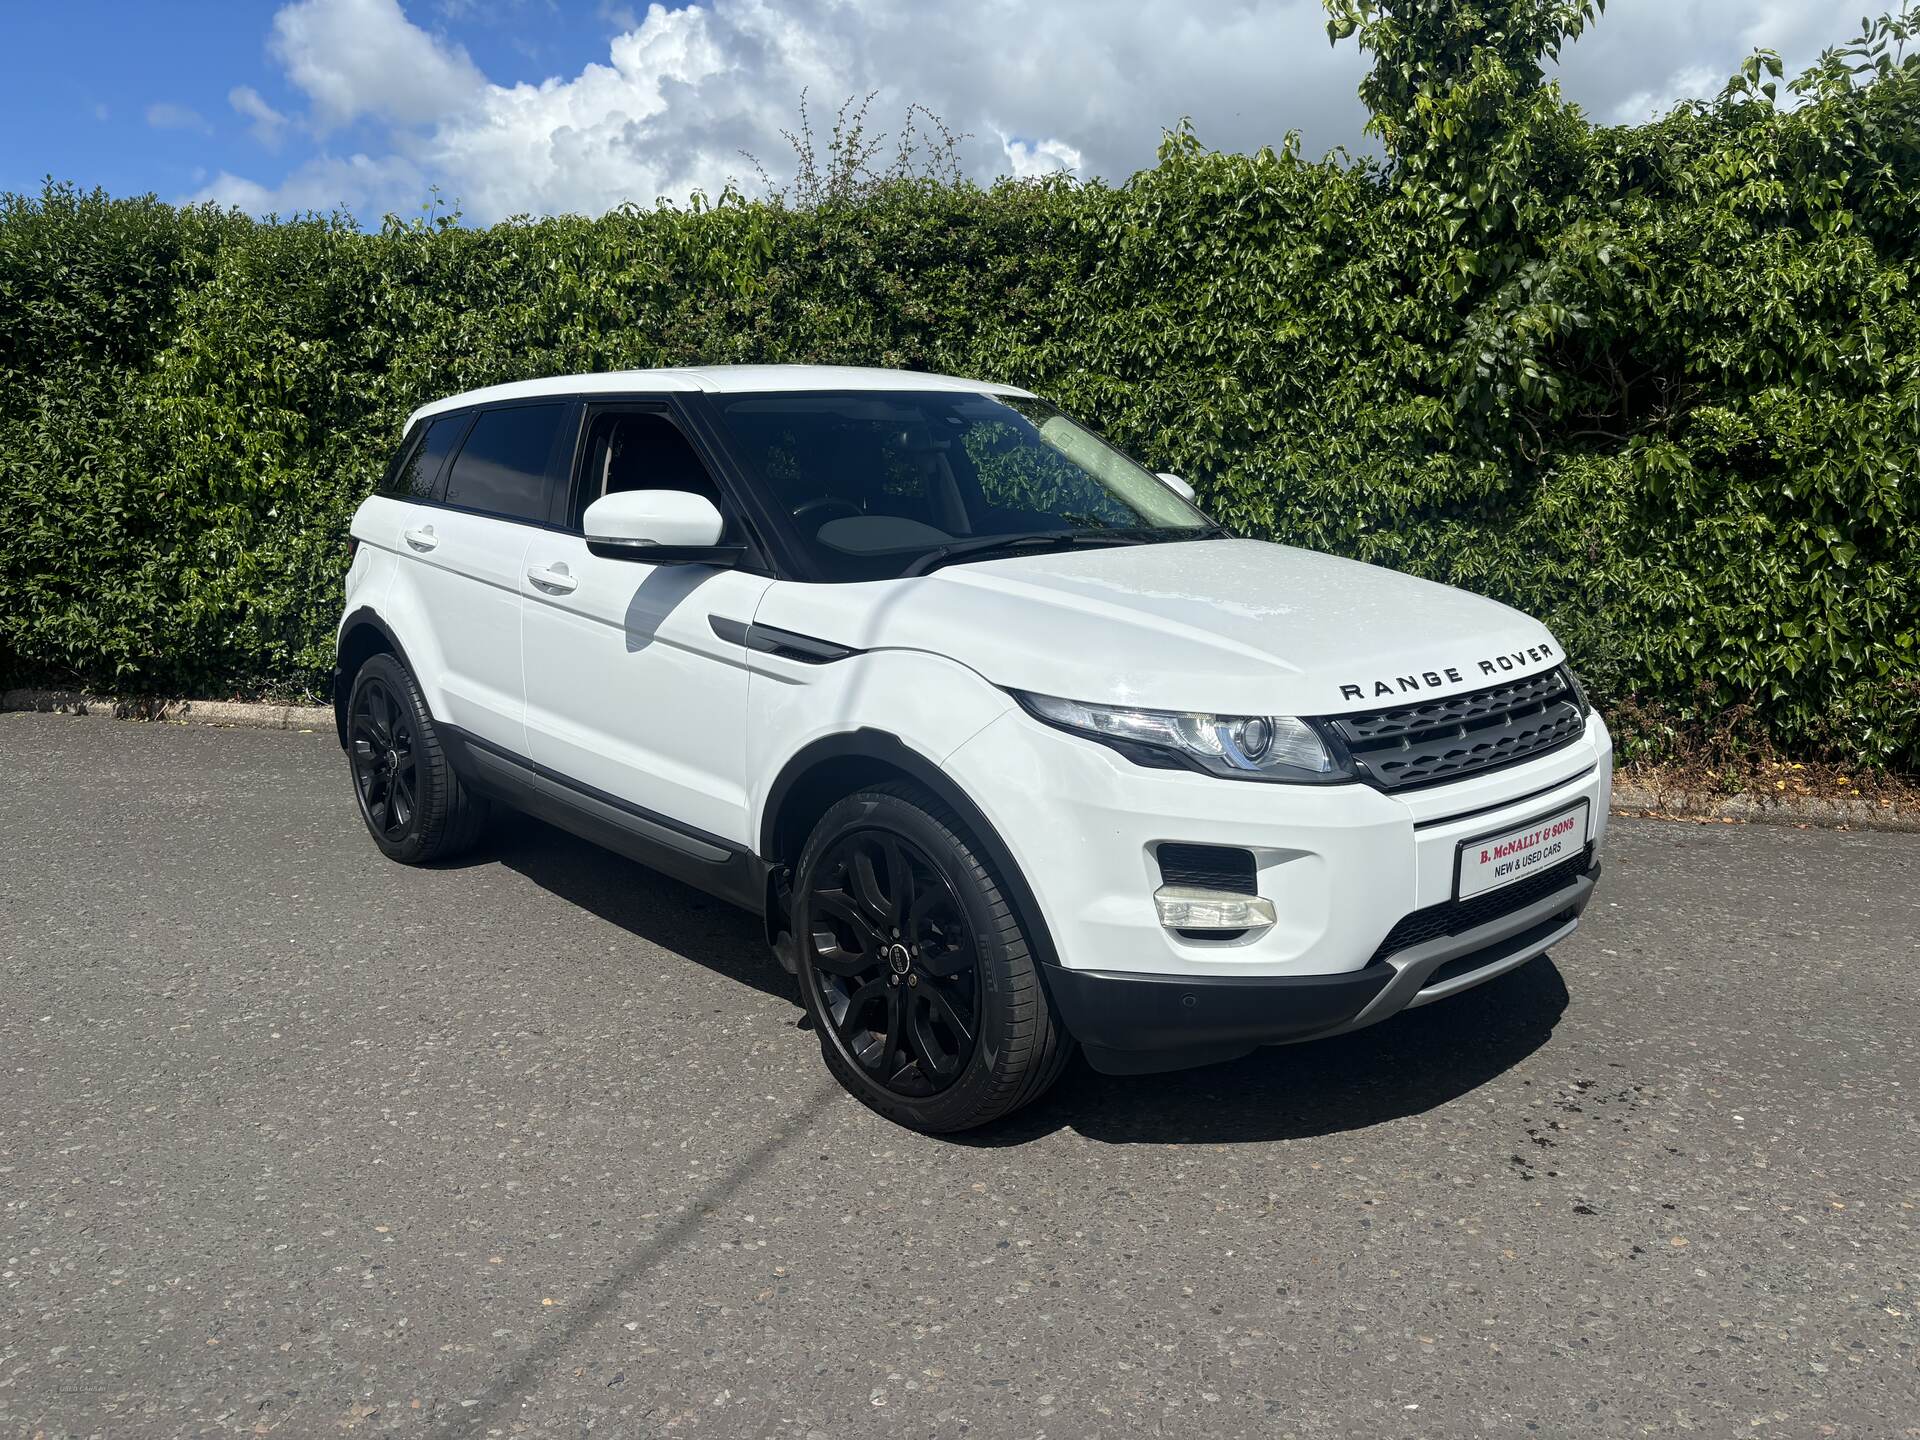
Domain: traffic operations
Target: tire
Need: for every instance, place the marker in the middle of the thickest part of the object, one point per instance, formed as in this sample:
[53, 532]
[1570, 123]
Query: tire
[414, 805]
[916, 968]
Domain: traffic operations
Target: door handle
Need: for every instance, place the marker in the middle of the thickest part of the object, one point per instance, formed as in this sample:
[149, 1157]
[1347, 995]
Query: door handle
[554, 579]
[421, 539]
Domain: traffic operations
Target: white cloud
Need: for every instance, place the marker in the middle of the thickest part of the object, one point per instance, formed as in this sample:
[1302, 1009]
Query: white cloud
[594, 141]
[1029, 158]
[364, 184]
[682, 93]
[268, 123]
[165, 115]
[1084, 85]
[1644, 57]
[1694, 82]
[364, 57]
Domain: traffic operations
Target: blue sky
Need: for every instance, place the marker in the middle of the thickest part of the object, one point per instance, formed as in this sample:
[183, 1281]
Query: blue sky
[517, 106]
[150, 111]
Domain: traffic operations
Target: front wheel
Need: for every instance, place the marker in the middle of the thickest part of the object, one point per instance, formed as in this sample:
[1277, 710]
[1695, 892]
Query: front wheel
[916, 969]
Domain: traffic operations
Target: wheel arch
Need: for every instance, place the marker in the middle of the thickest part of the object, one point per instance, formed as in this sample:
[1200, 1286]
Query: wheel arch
[835, 766]
[363, 634]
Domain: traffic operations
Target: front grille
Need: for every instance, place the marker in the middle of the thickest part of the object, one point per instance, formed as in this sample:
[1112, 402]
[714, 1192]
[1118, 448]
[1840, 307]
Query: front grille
[1456, 917]
[1208, 867]
[1432, 741]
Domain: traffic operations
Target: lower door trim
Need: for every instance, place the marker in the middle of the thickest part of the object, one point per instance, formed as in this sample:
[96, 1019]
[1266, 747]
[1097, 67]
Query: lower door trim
[711, 863]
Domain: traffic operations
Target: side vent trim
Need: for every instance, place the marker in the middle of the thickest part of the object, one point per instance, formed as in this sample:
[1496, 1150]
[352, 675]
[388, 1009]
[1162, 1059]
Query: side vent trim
[787, 644]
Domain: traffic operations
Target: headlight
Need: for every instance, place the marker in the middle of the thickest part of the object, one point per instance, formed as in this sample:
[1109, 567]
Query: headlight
[1245, 747]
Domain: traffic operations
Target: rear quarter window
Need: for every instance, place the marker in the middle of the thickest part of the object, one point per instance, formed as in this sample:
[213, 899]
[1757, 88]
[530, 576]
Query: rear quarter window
[505, 468]
[417, 465]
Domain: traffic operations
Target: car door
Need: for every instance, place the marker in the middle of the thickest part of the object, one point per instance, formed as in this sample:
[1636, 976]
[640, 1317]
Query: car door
[631, 691]
[470, 545]
[389, 521]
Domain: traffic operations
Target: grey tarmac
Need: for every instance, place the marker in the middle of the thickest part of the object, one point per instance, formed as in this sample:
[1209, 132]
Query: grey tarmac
[297, 1142]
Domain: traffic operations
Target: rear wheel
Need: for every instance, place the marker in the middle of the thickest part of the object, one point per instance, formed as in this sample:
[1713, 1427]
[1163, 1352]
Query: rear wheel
[915, 968]
[413, 803]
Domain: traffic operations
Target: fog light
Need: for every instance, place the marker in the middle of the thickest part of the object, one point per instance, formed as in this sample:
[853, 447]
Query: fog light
[1186, 907]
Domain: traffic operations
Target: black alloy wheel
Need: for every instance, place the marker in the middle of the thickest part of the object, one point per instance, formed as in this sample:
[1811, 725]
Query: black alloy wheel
[414, 804]
[918, 970]
[897, 962]
[380, 743]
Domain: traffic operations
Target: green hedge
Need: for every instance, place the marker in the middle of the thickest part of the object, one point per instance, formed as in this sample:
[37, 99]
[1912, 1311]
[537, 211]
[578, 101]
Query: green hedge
[1659, 385]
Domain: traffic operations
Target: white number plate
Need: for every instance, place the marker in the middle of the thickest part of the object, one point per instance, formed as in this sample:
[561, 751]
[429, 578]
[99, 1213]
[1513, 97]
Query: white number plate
[1509, 855]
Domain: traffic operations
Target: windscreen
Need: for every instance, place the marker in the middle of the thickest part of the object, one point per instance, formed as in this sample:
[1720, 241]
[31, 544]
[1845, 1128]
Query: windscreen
[875, 482]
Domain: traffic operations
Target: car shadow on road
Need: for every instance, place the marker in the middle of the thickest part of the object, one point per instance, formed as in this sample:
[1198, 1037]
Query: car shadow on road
[643, 902]
[1407, 1065]
[1402, 1067]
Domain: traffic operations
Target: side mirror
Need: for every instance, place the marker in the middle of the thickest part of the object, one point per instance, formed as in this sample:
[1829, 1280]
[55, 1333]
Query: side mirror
[1177, 485]
[658, 527]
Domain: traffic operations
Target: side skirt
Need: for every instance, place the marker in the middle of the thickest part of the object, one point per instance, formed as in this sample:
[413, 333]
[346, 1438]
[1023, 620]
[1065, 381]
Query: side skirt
[707, 862]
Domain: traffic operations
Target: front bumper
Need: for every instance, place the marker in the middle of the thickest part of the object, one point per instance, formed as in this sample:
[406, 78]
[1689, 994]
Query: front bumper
[1362, 884]
[1136, 1024]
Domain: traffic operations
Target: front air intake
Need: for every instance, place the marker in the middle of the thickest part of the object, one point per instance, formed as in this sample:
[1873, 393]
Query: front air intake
[1208, 867]
[1455, 917]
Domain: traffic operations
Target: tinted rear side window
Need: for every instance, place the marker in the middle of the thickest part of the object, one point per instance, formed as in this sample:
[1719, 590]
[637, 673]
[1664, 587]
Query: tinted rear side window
[421, 457]
[503, 468]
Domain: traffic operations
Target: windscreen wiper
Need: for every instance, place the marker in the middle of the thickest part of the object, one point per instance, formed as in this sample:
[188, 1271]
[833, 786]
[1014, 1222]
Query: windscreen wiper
[1039, 543]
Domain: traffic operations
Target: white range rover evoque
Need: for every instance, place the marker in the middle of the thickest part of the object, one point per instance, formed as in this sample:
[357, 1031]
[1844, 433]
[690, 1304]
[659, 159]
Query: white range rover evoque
[1012, 746]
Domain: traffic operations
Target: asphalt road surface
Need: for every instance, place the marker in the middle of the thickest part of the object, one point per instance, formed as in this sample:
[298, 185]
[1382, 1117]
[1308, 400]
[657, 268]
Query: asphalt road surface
[296, 1141]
